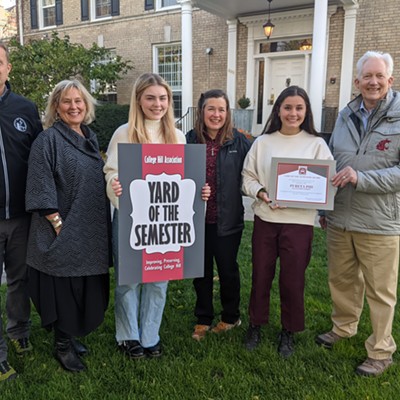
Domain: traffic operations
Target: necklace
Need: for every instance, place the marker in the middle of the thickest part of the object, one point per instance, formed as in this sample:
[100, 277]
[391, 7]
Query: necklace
[214, 149]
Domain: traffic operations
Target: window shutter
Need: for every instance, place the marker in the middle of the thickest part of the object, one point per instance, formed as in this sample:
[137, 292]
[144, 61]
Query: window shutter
[114, 7]
[34, 15]
[59, 12]
[149, 4]
[84, 10]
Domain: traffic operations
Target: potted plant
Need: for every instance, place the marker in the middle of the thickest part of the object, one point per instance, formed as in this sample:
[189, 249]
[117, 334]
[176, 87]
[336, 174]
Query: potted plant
[244, 102]
[243, 117]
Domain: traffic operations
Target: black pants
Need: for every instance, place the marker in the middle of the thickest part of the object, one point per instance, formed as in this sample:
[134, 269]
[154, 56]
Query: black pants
[13, 243]
[224, 250]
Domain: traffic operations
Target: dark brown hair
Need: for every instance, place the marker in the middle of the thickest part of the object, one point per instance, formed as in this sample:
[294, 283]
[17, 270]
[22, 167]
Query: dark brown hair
[274, 122]
[200, 126]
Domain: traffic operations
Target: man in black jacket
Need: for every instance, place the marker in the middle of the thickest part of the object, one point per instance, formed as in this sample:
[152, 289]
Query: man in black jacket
[19, 126]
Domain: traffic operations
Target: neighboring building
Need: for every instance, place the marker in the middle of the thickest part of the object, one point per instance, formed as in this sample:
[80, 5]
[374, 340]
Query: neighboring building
[8, 22]
[224, 45]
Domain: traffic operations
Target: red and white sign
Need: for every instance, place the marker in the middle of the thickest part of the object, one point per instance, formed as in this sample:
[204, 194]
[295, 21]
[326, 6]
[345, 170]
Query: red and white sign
[161, 216]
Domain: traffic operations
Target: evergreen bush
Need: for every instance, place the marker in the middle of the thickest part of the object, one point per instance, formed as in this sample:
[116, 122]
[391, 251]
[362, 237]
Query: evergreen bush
[108, 118]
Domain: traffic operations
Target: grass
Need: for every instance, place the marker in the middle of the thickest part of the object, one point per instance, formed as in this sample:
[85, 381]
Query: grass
[217, 368]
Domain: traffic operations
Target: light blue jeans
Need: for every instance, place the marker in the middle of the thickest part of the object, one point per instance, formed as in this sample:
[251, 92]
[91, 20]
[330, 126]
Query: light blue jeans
[138, 307]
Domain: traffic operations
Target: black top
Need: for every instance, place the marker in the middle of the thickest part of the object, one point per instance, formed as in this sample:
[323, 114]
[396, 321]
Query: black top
[66, 174]
[230, 210]
[19, 126]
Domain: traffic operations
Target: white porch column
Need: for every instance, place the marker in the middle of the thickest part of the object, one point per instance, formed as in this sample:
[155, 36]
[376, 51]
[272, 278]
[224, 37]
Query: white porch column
[20, 22]
[232, 58]
[187, 55]
[250, 66]
[318, 59]
[346, 73]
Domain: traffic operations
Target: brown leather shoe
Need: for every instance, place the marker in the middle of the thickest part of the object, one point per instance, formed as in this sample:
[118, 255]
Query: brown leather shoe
[372, 367]
[328, 339]
[224, 326]
[200, 331]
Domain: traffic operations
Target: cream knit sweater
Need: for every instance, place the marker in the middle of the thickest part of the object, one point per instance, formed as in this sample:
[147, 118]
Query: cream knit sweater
[153, 129]
[257, 169]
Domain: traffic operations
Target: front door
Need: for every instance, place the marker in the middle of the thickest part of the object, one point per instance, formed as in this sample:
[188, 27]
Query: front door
[274, 75]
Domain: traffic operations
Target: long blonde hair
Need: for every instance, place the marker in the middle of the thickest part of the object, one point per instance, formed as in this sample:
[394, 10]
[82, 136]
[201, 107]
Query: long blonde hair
[136, 122]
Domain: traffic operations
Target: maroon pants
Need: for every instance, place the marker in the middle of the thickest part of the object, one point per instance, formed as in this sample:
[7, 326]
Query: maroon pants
[292, 244]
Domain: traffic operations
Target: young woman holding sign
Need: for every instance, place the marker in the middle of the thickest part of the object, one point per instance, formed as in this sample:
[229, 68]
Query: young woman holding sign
[226, 149]
[151, 120]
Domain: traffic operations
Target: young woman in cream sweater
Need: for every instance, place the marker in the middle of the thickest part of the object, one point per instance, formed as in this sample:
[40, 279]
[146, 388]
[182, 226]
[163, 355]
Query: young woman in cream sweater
[281, 232]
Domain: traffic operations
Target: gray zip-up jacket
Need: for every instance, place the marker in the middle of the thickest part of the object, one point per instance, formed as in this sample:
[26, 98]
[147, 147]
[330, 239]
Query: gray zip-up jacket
[373, 206]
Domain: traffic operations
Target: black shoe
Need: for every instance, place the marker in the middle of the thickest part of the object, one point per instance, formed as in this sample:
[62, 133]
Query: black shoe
[7, 372]
[22, 345]
[132, 348]
[286, 343]
[67, 356]
[154, 351]
[253, 337]
[79, 347]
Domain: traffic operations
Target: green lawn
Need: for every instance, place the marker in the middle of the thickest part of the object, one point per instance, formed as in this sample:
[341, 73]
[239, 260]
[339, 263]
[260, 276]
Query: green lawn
[217, 368]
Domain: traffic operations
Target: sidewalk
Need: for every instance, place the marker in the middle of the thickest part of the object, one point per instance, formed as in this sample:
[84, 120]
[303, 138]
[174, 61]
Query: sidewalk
[248, 212]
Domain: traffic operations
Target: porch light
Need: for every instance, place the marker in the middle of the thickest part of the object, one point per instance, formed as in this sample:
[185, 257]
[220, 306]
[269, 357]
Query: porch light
[268, 26]
[306, 45]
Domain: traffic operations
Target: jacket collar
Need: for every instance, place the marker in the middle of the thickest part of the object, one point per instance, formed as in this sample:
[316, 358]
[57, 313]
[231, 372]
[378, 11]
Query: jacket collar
[87, 144]
[390, 104]
[6, 93]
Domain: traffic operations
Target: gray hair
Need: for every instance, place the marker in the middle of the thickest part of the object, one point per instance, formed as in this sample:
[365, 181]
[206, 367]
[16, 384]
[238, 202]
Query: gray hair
[60, 89]
[385, 57]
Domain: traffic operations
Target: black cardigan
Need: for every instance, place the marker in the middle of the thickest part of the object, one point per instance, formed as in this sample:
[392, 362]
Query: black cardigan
[230, 210]
[65, 173]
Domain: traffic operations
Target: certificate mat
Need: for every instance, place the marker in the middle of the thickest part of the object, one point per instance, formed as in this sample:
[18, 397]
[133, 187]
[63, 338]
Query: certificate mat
[302, 183]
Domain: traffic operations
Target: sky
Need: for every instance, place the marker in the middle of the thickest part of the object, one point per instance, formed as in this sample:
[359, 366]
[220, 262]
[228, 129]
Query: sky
[7, 3]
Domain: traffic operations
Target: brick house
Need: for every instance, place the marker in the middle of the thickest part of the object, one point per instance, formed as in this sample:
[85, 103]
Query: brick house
[202, 44]
[8, 22]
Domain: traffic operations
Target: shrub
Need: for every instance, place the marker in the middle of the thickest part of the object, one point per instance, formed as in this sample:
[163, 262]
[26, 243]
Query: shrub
[108, 118]
[244, 102]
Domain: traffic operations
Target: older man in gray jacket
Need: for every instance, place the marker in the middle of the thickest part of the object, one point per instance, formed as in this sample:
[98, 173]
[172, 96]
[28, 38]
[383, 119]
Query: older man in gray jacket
[363, 230]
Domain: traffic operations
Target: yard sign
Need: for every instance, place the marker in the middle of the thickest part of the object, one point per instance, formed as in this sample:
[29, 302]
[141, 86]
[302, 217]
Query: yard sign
[161, 214]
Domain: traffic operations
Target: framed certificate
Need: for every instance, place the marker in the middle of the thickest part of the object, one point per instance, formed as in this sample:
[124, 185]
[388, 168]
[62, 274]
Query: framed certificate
[302, 183]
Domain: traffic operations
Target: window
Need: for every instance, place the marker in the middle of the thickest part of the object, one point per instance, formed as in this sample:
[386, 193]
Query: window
[98, 9]
[101, 8]
[160, 4]
[290, 45]
[168, 64]
[107, 94]
[46, 13]
[166, 4]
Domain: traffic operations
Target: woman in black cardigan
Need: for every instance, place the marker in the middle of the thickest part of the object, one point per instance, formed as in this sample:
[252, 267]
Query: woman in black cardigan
[68, 247]
[226, 150]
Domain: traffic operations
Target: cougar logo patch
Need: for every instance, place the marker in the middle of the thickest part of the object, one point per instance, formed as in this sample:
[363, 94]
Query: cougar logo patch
[383, 145]
[20, 124]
